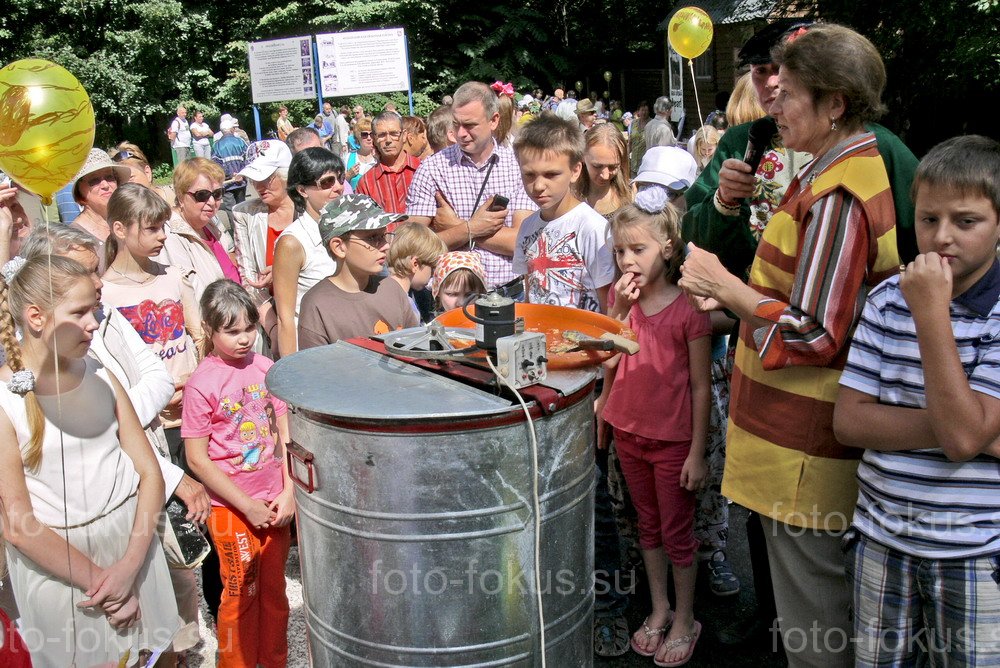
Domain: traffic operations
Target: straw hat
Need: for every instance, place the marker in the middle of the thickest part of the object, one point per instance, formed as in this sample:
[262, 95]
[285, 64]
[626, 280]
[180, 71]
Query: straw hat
[96, 161]
[585, 106]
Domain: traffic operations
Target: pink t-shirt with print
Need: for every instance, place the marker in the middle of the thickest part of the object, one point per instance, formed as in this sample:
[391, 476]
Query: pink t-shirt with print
[230, 404]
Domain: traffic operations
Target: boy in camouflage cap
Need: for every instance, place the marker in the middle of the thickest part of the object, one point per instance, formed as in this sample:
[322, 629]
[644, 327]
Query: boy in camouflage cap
[357, 300]
[352, 213]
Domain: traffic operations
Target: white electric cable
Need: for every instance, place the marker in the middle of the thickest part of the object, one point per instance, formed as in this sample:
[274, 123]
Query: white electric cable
[536, 503]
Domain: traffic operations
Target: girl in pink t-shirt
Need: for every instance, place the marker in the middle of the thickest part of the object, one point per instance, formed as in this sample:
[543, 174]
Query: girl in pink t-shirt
[663, 459]
[235, 435]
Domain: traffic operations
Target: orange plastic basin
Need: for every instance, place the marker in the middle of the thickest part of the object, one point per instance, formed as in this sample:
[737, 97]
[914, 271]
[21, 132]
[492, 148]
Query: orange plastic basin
[545, 319]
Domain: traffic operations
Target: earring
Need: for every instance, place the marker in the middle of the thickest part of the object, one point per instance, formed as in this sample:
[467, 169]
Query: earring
[833, 125]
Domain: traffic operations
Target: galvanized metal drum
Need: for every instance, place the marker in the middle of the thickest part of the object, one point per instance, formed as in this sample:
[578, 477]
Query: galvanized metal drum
[415, 515]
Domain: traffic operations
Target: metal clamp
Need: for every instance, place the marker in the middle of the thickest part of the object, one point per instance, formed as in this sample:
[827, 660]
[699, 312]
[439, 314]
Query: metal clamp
[297, 452]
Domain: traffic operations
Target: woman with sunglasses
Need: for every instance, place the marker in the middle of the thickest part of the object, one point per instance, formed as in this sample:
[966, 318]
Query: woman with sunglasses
[360, 161]
[315, 177]
[196, 242]
[131, 156]
[93, 186]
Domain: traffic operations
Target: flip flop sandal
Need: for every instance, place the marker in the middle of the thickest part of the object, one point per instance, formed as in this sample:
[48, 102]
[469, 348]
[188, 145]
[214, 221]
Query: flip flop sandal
[649, 634]
[611, 637]
[691, 639]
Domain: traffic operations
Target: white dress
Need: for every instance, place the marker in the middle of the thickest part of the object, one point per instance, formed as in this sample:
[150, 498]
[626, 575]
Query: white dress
[100, 483]
[318, 265]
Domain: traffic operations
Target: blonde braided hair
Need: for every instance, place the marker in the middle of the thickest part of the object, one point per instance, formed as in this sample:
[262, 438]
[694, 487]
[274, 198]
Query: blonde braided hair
[30, 285]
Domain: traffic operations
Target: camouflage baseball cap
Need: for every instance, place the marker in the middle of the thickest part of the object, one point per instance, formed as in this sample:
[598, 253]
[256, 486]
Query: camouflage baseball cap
[351, 213]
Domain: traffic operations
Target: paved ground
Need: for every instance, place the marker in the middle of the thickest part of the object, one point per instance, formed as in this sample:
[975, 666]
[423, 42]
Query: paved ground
[714, 613]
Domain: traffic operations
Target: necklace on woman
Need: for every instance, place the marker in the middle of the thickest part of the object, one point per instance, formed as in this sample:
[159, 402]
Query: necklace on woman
[95, 223]
[148, 278]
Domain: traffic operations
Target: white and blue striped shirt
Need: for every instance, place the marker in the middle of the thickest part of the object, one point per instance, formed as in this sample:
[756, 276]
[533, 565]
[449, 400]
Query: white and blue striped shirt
[917, 501]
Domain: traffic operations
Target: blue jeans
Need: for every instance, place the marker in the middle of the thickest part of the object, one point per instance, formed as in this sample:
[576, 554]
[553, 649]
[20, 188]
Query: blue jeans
[610, 597]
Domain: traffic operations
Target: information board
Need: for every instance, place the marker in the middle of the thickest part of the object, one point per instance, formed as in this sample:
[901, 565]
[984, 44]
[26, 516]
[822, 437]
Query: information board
[364, 61]
[282, 69]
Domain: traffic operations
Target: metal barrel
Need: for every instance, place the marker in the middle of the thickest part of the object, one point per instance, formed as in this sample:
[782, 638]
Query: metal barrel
[415, 517]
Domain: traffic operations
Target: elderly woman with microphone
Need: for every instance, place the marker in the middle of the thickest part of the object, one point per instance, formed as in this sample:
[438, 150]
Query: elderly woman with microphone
[829, 237]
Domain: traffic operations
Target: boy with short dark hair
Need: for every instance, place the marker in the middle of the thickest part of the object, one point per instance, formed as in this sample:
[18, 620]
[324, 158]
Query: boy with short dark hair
[356, 300]
[562, 249]
[921, 392]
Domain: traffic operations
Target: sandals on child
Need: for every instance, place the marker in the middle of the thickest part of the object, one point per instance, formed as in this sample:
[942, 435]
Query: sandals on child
[611, 637]
[691, 639]
[649, 633]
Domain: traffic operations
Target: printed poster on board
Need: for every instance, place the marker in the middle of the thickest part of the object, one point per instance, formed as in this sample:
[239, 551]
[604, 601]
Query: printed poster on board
[363, 61]
[282, 69]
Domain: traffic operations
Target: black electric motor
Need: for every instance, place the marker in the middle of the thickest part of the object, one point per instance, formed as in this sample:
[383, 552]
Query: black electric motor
[494, 319]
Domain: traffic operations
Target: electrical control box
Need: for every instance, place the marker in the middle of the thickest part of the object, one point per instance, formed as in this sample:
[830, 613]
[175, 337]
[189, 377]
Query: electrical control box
[521, 358]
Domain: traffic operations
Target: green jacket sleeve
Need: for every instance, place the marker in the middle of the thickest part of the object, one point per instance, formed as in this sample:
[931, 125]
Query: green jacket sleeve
[900, 165]
[729, 237]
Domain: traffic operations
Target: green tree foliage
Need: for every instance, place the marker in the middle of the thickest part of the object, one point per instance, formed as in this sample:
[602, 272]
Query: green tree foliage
[942, 61]
[140, 58]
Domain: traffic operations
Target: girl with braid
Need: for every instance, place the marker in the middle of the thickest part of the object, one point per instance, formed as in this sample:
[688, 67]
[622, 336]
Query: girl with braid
[80, 489]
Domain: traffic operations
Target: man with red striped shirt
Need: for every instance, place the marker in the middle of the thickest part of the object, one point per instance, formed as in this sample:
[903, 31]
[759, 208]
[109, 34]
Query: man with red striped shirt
[388, 181]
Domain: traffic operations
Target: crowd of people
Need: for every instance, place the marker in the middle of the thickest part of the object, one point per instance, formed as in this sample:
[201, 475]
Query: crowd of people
[852, 411]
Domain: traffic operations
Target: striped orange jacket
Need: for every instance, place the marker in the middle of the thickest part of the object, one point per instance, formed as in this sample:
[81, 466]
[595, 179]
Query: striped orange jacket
[832, 240]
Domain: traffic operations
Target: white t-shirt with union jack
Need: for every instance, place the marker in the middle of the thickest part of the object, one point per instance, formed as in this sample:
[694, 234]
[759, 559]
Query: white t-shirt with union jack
[566, 259]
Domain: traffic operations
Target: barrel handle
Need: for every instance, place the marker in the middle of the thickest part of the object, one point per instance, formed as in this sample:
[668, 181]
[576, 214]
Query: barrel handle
[297, 452]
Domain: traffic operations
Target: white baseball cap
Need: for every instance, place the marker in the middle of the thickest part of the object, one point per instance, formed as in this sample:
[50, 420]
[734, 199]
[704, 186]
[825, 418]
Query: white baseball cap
[271, 155]
[668, 166]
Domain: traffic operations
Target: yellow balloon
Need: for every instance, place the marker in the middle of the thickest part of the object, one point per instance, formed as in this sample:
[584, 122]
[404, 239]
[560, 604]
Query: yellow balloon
[46, 125]
[690, 32]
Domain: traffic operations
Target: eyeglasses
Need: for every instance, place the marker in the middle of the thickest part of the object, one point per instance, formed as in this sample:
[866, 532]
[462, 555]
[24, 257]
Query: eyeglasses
[375, 242]
[202, 196]
[330, 181]
[365, 135]
[675, 194]
[395, 134]
[122, 156]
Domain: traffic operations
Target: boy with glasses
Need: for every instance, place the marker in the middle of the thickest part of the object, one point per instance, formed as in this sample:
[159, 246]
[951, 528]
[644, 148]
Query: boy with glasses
[357, 300]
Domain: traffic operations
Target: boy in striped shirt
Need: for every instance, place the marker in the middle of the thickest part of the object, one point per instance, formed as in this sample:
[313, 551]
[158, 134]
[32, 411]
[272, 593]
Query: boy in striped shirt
[921, 393]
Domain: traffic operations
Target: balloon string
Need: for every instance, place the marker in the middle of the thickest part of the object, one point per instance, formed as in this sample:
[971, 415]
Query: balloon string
[62, 444]
[694, 85]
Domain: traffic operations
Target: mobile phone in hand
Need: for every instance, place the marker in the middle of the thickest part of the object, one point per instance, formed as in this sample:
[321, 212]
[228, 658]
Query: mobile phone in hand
[499, 203]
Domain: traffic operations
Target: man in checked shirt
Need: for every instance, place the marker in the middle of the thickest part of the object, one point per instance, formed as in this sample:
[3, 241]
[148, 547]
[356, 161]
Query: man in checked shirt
[453, 190]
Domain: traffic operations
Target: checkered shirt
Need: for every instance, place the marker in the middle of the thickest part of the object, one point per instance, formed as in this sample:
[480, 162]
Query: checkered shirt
[459, 179]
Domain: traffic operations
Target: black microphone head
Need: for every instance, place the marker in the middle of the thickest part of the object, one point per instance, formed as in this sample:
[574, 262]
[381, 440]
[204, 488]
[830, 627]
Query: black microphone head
[761, 133]
[762, 130]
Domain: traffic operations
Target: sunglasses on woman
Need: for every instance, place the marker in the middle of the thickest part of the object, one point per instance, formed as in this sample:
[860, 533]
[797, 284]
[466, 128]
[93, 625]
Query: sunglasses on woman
[202, 196]
[329, 181]
[122, 156]
[365, 135]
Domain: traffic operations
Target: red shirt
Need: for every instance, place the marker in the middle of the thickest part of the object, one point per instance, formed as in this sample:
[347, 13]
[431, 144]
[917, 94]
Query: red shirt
[651, 396]
[13, 651]
[388, 188]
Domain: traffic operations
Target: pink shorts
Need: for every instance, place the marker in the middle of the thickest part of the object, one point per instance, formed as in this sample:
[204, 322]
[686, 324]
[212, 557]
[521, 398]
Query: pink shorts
[666, 510]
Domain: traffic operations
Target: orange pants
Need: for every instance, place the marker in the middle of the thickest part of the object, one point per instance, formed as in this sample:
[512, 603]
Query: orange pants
[253, 614]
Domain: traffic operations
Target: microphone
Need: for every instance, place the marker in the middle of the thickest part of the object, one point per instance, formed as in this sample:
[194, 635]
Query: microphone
[761, 133]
